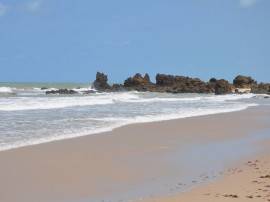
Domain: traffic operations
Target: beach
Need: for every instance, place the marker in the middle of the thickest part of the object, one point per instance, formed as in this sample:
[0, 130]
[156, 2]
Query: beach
[189, 157]
[248, 181]
[129, 101]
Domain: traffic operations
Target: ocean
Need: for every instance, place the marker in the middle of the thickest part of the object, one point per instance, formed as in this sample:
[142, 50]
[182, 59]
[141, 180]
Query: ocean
[28, 116]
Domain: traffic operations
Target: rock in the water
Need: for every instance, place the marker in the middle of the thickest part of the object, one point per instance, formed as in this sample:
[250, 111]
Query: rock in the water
[213, 80]
[100, 83]
[243, 81]
[180, 84]
[223, 87]
[118, 87]
[62, 91]
[262, 88]
[164, 80]
[89, 91]
[139, 83]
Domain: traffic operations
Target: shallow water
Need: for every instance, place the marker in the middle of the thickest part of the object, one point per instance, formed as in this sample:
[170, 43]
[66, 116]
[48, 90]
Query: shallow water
[28, 116]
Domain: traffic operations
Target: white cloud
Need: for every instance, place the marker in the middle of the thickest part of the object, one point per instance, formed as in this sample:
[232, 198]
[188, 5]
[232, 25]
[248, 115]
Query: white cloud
[3, 10]
[34, 5]
[248, 3]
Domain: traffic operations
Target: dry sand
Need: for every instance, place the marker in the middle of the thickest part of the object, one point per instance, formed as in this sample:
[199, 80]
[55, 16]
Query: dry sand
[104, 165]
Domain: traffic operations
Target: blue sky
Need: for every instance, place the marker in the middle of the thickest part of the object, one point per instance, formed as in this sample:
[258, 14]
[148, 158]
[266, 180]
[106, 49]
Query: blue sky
[69, 40]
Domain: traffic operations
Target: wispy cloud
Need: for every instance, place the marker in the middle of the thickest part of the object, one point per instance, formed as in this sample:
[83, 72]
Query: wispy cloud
[248, 3]
[34, 6]
[3, 9]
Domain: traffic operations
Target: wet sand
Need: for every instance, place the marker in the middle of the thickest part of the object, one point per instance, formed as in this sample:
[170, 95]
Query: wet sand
[130, 162]
[248, 181]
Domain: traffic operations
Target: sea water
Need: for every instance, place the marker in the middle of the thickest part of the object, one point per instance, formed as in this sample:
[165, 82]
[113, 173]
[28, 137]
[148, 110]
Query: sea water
[29, 116]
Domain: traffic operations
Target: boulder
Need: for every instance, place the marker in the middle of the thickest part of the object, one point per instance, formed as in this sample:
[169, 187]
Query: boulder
[262, 88]
[223, 87]
[89, 92]
[243, 81]
[180, 84]
[61, 91]
[100, 83]
[118, 87]
[139, 83]
[163, 80]
[213, 80]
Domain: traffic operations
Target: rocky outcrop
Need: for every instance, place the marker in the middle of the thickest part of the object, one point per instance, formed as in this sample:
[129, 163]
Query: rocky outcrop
[89, 92]
[213, 80]
[100, 83]
[262, 88]
[118, 87]
[243, 81]
[180, 84]
[62, 91]
[223, 87]
[139, 83]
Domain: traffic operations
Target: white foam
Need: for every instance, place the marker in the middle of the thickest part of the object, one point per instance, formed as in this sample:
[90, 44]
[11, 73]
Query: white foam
[118, 109]
[119, 122]
[81, 90]
[5, 90]
[54, 102]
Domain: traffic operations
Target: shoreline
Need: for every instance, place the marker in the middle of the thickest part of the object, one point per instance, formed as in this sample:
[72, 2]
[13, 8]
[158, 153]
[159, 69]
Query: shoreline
[96, 166]
[247, 179]
[115, 127]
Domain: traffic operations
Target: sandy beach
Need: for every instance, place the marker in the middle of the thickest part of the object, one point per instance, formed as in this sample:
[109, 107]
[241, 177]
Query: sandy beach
[146, 161]
[248, 180]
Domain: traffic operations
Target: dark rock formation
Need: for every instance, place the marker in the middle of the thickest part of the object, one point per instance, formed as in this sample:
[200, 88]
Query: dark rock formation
[213, 80]
[139, 83]
[100, 83]
[167, 80]
[118, 87]
[89, 91]
[180, 84]
[62, 91]
[243, 81]
[44, 88]
[262, 88]
[223, 87]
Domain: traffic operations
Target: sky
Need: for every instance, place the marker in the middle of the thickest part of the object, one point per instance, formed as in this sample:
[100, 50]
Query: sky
[70, 40]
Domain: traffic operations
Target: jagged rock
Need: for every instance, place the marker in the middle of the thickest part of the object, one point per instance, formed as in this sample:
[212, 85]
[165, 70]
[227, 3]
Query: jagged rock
[139, 83]
[223, 87]
[243, 81]
[89, 91]
[118, 87]
[62, 91]
[262, 88]
[147, 77]
[168, 80]
[213, 80]
[100, 83]
[44, 88]
[180, 84]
